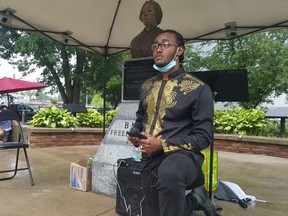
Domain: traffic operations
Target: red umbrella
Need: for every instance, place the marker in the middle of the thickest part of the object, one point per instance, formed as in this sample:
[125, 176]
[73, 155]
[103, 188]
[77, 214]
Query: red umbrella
[8, 85]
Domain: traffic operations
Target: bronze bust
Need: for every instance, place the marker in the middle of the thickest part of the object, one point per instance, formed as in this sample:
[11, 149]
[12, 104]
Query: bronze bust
[151, 16]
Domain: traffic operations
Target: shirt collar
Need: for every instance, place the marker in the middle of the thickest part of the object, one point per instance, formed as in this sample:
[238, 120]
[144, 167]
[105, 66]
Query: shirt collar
[172, 75]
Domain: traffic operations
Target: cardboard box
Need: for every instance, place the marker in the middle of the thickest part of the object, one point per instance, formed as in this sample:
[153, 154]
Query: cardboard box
[80, 175]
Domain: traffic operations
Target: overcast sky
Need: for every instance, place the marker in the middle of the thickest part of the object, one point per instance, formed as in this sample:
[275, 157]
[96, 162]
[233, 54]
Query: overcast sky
[7, 70]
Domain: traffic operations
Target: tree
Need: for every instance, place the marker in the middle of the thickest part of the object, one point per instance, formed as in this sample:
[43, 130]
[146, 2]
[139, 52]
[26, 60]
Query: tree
[66, 69]
[113, 77]
[97, 101]
[264, 55]
[113, 93]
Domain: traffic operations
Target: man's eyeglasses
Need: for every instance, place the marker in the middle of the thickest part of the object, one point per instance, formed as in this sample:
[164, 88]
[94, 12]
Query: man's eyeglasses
[163, 45]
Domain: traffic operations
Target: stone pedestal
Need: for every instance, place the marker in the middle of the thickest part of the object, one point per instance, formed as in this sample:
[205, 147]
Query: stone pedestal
[113, 147]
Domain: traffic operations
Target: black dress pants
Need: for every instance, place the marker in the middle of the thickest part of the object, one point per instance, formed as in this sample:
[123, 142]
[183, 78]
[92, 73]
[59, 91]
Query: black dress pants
[165, 180]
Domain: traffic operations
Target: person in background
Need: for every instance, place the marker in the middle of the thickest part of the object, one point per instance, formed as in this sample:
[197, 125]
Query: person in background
[5, 127]
[175, 115]
[151, 16]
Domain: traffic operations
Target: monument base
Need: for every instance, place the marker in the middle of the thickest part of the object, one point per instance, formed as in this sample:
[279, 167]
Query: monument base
[114, 146]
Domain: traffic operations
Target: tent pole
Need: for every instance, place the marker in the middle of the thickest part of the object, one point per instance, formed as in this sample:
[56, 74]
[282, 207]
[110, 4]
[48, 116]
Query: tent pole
[104, 89]
[8, 100]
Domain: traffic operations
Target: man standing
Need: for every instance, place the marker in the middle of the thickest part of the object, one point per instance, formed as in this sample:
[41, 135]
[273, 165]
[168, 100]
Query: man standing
[175, 114]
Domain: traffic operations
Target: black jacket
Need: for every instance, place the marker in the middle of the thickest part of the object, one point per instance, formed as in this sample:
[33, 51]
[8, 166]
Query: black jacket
[178, 111]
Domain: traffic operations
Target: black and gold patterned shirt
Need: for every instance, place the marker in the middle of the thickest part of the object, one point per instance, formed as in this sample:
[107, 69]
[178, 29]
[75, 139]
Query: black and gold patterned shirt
[178, 111]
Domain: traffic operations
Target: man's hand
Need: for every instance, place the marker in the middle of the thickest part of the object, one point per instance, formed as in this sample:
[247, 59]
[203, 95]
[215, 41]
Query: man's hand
[133, 140]
[149, 145]
[134, 135]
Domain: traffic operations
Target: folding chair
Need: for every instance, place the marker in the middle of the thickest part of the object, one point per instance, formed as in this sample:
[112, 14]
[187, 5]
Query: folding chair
[17, 145]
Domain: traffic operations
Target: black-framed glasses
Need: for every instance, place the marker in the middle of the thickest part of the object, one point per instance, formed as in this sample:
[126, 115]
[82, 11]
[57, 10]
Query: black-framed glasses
[163, 45]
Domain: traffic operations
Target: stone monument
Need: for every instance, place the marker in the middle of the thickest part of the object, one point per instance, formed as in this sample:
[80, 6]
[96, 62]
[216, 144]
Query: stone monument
[113, 147]
[115, 144]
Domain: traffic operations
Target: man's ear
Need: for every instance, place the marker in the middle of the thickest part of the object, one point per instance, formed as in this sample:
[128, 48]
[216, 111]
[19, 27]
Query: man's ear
[180, 51]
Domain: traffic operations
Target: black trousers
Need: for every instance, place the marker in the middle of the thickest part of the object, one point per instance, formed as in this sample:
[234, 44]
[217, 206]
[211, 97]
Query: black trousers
[165, 180]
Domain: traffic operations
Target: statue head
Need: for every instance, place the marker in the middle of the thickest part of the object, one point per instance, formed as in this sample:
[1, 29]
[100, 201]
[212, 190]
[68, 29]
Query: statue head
[151, 14]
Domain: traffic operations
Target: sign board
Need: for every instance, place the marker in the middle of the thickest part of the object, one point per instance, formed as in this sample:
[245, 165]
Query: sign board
[134, 74]
[227, 85]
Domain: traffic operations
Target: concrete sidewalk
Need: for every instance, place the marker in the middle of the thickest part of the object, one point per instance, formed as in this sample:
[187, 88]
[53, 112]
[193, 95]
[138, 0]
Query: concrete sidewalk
[262, 176]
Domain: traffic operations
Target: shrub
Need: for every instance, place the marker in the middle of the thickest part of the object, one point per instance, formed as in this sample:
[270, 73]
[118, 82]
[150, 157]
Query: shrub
[234, 121]
[271, 130]
[57, 118]
[240, 121]
[53, 118]
[90, 119]
[110, 115]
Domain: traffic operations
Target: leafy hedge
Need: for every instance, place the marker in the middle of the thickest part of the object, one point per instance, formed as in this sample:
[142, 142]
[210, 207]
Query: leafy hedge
[233, 121]
[90, 119]
[110, 115]
[57, 118]
[53, 117]
[240, 121]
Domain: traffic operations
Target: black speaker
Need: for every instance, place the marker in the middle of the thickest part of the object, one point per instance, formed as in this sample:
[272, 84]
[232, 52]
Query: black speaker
[129, 196]
[75, 108]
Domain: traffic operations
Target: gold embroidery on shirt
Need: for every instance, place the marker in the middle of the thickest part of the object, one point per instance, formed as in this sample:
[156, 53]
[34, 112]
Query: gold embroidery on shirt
[146, 85]
[188, 86]
[151, 100]
[173, 148]
[169, 100]
[169, 96]
[189, 83]
[193, 78]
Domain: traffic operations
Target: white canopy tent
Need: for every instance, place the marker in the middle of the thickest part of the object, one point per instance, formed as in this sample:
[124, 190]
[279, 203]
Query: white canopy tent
[108, 26]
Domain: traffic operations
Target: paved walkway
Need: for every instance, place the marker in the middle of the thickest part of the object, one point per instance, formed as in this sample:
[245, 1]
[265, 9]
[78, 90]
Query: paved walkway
[262, 176]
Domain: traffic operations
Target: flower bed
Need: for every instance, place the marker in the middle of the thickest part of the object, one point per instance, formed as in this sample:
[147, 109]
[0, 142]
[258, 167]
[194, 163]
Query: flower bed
[252, 144]
[46, 137]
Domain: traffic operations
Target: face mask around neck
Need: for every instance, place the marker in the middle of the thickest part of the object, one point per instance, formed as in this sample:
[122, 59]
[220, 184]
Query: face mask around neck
[167, 67]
